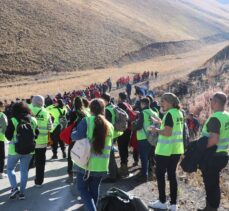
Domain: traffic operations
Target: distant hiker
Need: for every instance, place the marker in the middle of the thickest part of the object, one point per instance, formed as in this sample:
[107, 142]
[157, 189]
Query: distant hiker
[44, 122]
[100, 133]
[3, 126]
[169, 148]
[216, 128]
[58, 111]
[156, 74]
[21, 131]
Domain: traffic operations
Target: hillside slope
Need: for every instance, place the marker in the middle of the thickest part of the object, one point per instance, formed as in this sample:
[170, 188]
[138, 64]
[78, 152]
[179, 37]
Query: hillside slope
[57, 35]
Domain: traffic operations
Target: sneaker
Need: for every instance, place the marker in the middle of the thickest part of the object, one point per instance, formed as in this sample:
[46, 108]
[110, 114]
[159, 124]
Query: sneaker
[173, 207]
[158, 205]
[2, 176]
[21, 196]
[54, 157]
[14, 193]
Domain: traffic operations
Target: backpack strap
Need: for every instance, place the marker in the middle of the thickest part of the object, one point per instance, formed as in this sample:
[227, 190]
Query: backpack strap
[38, 113]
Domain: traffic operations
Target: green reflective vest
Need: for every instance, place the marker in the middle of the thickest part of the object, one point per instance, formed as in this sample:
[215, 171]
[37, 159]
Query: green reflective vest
[223, 117]
[43, 120]
[11, 150]
[111, 109]
[2, 133]
[53, 110]
[172, 145]
[147, 114]
[99, 163]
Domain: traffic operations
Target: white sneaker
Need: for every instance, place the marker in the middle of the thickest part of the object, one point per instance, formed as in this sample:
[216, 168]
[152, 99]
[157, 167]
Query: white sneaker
[158, 205]
[173, 207]
[2, 176]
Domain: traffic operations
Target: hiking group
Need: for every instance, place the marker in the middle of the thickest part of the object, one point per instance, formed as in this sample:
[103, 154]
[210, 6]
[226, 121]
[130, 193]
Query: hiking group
[157, 132]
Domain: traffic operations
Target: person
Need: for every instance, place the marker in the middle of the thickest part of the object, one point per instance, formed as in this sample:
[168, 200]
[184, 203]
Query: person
[216, 128]
[124, 139]
[57, 110]
[76, 115]
[193, 126]
[141, 126]
[100, 132]
[168, 150]
[128, 91]
[110, 116]
[3, 125]
[44, 122]
[20, 112]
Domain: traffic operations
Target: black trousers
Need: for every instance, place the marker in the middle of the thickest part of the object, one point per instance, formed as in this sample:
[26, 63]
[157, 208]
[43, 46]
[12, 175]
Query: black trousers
[70, 163]
[211, 175]
[123, 144]
[55, 136]
[152, 162]
[113, 169]
[2, 156]
[167, 164]
[40, 159]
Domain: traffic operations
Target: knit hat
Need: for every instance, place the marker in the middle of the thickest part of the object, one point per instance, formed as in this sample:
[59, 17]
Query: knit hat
[38, 101]
[171, 98]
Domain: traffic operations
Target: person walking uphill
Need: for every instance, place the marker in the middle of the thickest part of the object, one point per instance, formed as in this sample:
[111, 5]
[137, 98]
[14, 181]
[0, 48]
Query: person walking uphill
[169, 148]
[3, 125]
[45, 125]
[21, 131]
[58, 111]
[216, 128]
[100, 133]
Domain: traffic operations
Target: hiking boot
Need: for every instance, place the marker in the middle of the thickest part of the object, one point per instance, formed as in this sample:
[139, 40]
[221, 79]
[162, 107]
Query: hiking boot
[158, 205]
[21, 196]
[54, 157]
[14, 193]
[64, 154]
[123, 171]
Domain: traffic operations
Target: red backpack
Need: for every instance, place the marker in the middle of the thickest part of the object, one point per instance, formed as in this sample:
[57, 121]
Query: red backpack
[131, 113]
[65, 134]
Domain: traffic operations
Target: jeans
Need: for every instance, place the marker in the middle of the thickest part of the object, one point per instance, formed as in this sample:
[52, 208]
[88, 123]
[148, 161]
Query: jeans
[211, 176]
[24, 166]
[167, 164]
[2, 156]
[144, 148]
[40, 159]
[123, 144]
[88, 190]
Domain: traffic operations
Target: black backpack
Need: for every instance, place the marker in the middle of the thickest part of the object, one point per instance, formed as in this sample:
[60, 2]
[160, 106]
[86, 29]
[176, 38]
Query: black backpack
[118, 200]
[25, 137]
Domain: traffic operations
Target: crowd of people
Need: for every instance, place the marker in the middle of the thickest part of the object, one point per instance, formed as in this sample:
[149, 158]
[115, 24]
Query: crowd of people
[157, 132]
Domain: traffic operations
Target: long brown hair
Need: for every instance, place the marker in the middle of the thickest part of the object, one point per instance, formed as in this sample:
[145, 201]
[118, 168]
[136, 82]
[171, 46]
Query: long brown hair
[100, 132]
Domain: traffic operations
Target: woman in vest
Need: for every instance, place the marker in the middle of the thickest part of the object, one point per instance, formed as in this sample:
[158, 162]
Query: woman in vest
[20, 112]
[168, 150]
[75, 116]
[216, 128]
[100, 132]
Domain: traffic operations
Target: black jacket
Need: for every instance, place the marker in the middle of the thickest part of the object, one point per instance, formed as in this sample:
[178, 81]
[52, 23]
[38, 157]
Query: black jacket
[197, 155]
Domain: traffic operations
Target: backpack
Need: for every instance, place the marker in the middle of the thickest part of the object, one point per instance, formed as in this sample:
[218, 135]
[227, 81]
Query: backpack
[131, 113]
[116, 199]
[62, 119]
[65, 134]
[81, 152]
[121, 119]
[25, 137]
